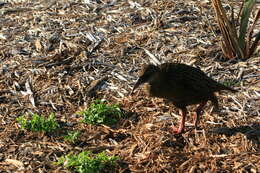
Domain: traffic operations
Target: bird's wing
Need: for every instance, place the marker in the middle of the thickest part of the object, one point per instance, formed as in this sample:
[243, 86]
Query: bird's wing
[190, 80]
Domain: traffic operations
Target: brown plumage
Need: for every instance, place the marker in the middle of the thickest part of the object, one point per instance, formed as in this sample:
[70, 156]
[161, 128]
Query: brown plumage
[181, 84]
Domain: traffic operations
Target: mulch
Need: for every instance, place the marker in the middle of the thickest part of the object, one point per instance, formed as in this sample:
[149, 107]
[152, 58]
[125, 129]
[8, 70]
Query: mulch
[59, 56]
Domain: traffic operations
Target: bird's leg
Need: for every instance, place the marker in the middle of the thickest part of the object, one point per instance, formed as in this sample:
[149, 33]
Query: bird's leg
[198, 113]
[181, 124]
[214, 100]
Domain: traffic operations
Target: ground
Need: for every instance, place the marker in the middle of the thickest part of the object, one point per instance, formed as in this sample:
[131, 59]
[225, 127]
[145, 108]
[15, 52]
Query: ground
[59, 56]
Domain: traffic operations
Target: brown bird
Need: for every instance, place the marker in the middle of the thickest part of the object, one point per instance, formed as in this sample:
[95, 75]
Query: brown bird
[181, 84]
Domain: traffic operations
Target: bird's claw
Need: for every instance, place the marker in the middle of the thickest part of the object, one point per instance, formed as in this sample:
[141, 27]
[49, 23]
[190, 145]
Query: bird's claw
[176, 131]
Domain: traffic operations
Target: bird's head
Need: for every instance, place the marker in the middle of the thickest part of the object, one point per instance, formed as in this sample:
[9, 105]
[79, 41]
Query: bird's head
[145, 75]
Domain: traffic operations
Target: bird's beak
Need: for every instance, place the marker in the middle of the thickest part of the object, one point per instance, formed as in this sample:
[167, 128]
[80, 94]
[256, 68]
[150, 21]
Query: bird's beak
[137, 84]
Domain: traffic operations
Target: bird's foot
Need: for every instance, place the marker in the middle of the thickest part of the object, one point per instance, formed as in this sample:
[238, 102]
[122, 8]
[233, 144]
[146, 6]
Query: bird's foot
[176, 131]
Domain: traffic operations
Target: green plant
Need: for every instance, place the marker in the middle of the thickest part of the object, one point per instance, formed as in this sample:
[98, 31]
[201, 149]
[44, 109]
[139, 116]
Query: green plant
[231, 83]
[101, 113]
[72, 136]
[86, 162]
[38, 123]
[238, 42]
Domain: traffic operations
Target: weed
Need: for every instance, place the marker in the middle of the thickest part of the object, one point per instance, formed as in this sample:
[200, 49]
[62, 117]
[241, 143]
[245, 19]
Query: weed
[86, 162]
[72, 136]
[101, 113]
[38, 123]
[231, 83]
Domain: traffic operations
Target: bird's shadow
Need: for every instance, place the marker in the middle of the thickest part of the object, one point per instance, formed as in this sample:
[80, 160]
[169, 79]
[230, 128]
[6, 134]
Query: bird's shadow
[252, 132]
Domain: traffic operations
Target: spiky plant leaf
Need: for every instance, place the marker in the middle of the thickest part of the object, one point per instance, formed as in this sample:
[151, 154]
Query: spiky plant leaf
[246, 11]
[251, 48]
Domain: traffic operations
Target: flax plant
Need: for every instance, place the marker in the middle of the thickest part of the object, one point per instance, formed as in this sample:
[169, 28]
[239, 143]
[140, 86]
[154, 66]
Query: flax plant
[238, 40]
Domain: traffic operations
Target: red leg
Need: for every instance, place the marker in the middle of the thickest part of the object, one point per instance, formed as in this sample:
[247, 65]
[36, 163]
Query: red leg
[182, 123]
[198, 113]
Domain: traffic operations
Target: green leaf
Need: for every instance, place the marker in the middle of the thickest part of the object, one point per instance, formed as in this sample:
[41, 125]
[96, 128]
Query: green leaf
[38, 123]
[246, 11]
[101, 113]
[86, 162]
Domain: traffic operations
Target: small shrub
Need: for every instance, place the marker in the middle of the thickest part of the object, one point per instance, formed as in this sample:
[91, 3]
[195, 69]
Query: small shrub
[101, 113]
[38, 123]
[72, 136]
[86, 162]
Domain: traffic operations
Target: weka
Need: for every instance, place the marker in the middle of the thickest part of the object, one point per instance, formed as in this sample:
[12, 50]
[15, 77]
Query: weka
[182, 85]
